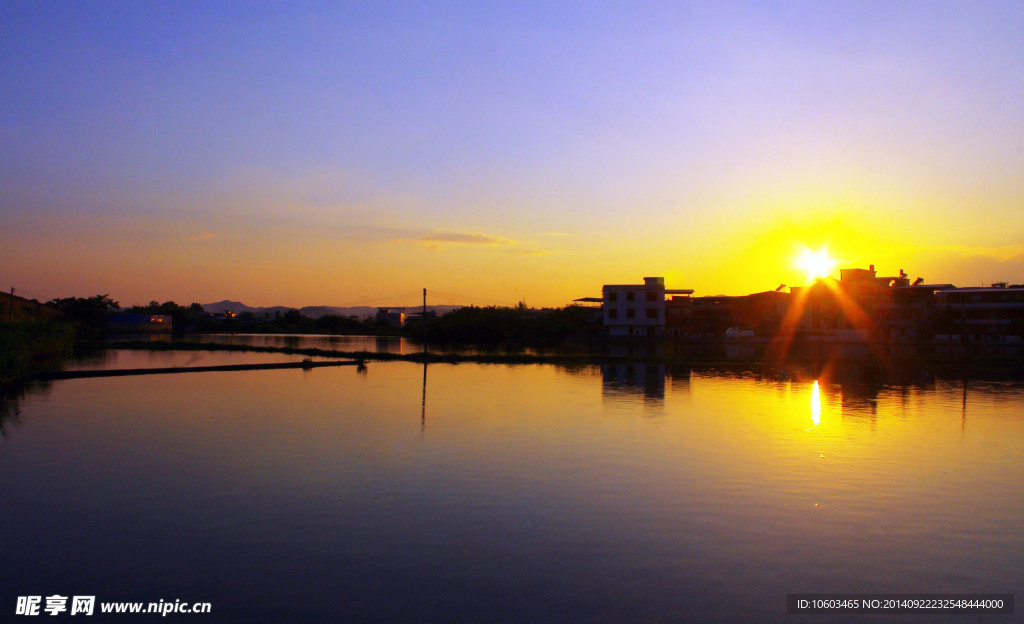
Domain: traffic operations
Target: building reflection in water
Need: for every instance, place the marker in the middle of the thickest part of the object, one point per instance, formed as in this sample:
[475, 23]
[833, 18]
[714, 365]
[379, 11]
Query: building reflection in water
[637, 379]
[855, 391]
[645, 380]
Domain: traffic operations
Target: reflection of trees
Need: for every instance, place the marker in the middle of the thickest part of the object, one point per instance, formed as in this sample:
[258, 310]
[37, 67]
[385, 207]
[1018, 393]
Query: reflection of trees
[387, 344]
[95, 358]
[579, 370]
[10, 410]
[10, 402]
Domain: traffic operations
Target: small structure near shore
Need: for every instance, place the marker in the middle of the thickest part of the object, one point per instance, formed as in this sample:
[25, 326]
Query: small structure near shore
[139, 323]
[394, 317]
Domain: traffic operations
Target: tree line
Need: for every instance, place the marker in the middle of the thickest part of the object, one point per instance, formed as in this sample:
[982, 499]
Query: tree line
[496, 325]
[491, 325]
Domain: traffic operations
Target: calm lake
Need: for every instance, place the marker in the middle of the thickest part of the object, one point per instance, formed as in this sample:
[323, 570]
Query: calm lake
[493, 493]
[354, 343]
[371, 344]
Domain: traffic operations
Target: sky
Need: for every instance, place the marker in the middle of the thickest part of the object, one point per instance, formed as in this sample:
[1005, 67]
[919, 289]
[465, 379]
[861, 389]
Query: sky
[354, 153]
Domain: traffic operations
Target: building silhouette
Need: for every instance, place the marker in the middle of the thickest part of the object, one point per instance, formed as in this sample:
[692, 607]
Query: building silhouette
[860, 307]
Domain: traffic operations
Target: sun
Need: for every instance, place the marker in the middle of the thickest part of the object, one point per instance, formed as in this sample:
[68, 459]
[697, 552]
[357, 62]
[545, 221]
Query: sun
[817, 264]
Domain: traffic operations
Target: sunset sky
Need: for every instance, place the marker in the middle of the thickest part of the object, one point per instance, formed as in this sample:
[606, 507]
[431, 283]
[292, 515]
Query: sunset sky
[352, 153]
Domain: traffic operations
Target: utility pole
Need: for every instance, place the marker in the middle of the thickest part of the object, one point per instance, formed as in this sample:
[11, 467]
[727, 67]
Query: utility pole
[424, 327]
[423, 401]
[10, 310]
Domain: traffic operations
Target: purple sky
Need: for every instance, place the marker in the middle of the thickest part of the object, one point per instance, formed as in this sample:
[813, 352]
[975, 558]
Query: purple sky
[326, 153]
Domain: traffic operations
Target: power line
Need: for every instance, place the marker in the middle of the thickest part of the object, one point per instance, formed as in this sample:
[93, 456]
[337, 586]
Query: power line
[411, 299]
[28, 294]
[369, 301]
[468, 298]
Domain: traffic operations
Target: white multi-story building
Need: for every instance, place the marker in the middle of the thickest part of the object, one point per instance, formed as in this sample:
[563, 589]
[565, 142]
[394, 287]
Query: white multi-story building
[637, 309]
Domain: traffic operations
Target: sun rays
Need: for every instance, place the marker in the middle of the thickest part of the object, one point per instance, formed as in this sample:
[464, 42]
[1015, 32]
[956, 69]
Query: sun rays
[817, 264]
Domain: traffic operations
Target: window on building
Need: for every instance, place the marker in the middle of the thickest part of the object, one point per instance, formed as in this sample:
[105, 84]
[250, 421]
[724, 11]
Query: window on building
[652, 296]
[613, 313]
[630, 296]
[652, 313]
[630, 313]
[613, 296]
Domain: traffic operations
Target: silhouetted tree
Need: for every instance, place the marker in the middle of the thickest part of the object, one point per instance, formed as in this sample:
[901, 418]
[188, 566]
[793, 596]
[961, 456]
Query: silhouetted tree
[179, 314]
[89, 314]
[336, 324]
[502, 325]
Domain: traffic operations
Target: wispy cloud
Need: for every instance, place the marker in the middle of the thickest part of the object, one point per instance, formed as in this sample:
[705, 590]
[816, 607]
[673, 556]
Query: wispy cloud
[203, 236]
[470, 239]
[555, 234]
[434, 239]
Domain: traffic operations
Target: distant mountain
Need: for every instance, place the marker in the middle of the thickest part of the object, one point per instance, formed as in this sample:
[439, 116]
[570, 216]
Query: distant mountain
[313, 311]
[226, 306]
[238, 307]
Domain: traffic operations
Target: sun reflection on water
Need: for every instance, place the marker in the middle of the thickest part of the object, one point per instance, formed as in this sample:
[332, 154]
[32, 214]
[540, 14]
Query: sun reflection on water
[815, 405]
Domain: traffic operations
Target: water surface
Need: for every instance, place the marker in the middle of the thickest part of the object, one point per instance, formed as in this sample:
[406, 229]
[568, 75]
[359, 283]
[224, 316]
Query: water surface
[458, 493]
[372, 344]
